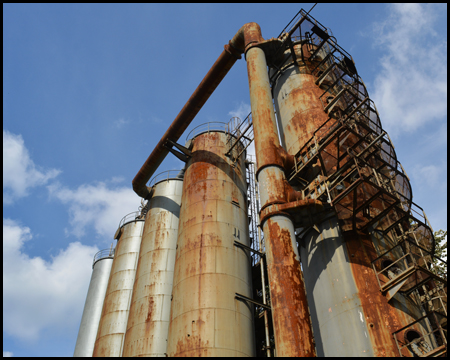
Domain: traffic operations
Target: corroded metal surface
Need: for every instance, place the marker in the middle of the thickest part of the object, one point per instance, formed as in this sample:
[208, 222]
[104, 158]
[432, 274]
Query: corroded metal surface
[384, 318]
[93, 308]
[390, 315]
[290, 311]
[299, 110]
[336, 310]
[113, 322]
[350, 316]
[264, 123]
[290, 315]
[148, 321]
[206, 319]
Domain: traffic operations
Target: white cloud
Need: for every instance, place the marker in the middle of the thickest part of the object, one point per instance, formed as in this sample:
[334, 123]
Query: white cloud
[430, 176]
[19, 171]
[41, 295]
[117, 179]
[411, 89]
[7, 354]
[97, 206]
[241, 111]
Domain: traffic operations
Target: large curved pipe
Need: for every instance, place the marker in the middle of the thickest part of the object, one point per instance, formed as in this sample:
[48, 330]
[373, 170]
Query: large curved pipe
[247, 34]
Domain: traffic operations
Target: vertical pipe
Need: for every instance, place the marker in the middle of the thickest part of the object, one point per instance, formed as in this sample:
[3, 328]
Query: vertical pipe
[290, 314]
[113, 322]
[93, 307]
[206, 319]
[148, 322]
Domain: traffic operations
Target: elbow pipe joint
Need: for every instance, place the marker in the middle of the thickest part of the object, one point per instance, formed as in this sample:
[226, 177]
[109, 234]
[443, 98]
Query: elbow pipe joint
[247, 35]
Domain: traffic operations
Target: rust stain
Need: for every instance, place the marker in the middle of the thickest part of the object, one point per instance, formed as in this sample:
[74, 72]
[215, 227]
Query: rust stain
[384, 319]
[210, 186]
[292, 327]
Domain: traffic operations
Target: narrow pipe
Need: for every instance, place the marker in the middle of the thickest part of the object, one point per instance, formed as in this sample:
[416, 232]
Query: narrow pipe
[290, 313]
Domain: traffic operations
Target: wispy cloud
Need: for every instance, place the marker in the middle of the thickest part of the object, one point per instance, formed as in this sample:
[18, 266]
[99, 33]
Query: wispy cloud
[241, 111]
[7, 354]
[19, 171]
[96, 205]
[121, 122]
[411, 89]
[430, 176]
[58, 287]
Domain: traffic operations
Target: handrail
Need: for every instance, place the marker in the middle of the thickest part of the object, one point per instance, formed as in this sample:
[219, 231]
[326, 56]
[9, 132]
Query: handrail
[133, 216]
[103, 254]
[165, 175]
[207, 127]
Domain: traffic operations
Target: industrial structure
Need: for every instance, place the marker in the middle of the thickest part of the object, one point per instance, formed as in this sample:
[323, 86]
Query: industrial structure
[314, 249]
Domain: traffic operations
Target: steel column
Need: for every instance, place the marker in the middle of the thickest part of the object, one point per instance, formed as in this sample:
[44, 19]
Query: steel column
[290, 314]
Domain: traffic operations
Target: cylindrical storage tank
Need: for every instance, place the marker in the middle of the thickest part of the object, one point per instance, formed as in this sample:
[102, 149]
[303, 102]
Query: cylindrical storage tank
[113, 322]
[349, 314]
[206, 319]
[148, 321]
[101, 269]
[339, 324]
[296, 100]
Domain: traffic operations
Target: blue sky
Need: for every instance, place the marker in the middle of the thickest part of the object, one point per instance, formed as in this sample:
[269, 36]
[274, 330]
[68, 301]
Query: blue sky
[88, 90]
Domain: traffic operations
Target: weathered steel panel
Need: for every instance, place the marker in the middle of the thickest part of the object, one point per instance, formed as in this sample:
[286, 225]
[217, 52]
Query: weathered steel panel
[299, 110]
[339, 324]
[386, 317]
[287, 293]
[113, 322]
[148, 321]
[93, 308]
[206, 319]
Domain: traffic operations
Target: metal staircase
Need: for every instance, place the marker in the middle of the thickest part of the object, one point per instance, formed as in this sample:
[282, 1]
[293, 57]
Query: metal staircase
[350, 162]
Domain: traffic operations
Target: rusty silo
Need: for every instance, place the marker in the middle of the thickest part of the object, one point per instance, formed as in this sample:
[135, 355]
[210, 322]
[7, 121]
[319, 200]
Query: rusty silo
[116, 306]
[347, 254]
[206, 317]
[343, 156]
[148, 321]
[101, 268]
